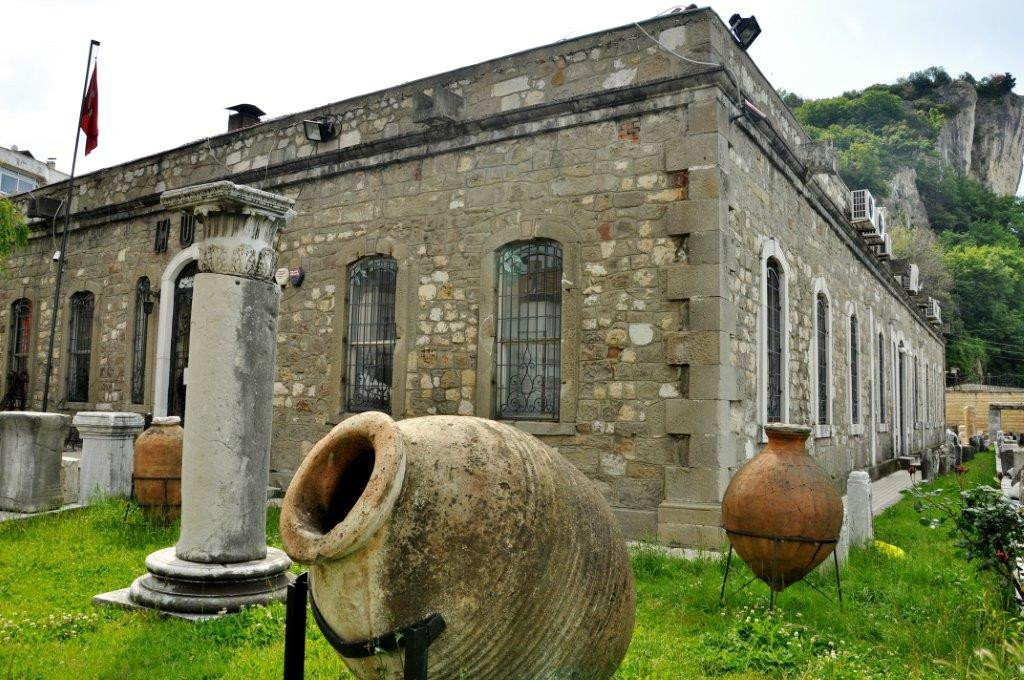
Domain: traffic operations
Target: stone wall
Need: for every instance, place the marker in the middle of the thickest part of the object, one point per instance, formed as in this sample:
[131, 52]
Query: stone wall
[621, 152]
[980, 396]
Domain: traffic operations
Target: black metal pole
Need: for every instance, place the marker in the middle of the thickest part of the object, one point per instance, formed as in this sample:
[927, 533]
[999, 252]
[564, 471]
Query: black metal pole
[64, 234]
[725, 578]
[295, 629]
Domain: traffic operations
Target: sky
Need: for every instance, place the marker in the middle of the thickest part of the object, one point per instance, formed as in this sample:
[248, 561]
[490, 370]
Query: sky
[166, 71]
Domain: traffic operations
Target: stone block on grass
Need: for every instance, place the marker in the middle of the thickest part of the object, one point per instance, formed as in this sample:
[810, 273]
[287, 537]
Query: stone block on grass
[30, 460]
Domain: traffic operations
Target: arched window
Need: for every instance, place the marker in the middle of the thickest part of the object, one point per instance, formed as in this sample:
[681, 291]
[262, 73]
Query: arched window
[927, 396]
[17, 356]
[370, 334]
[775, 331]
[80, 345]
[143, 306]
[854, 372]
[822, 354]
[917, 393]
[881, 378]
[529, 331]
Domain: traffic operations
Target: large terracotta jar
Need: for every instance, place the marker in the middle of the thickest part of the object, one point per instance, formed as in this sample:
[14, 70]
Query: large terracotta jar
[471, 519]
[156, 474]
[782, 511]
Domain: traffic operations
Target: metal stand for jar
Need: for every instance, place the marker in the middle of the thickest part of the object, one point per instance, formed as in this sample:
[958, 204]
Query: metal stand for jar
[776, 542]
[415, 639]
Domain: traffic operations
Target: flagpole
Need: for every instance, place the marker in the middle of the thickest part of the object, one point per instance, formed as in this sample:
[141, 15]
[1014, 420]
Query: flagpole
[64, 235]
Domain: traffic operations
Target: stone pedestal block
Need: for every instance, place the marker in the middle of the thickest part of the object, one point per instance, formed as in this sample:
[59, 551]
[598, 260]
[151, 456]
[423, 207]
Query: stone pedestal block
[970, 422]
[30, 460]
[106, 464]
[858, 508]
[226, 448]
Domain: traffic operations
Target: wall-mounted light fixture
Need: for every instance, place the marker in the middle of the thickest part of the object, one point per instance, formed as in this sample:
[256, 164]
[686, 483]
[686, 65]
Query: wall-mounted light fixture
[744, 30]
[320, 130]
[150, 300]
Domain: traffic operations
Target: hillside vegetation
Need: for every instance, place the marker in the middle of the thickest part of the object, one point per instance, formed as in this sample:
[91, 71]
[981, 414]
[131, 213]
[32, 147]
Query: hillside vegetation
[905, 143]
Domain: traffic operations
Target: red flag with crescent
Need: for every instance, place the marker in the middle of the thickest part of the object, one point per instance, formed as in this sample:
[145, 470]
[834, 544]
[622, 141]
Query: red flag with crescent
[89, 122]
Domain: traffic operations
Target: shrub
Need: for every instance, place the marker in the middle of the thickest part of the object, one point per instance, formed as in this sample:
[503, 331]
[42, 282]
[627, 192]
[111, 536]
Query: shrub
[987, 527]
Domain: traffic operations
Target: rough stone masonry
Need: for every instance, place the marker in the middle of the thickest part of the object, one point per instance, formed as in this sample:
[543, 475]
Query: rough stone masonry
[665, 197]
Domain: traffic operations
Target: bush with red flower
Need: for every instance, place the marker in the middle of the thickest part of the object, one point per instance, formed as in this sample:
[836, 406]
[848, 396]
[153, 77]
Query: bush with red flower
[986, 525]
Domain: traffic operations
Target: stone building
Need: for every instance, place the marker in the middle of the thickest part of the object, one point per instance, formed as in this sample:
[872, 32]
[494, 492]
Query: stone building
[597, 240]
[978, 397]
[20, 171]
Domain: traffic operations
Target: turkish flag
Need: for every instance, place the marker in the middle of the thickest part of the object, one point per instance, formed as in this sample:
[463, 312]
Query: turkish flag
[90, 122]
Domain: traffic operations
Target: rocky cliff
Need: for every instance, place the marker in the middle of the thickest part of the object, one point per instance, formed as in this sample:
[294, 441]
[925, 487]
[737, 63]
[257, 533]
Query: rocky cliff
[998, 143]
[983, 136]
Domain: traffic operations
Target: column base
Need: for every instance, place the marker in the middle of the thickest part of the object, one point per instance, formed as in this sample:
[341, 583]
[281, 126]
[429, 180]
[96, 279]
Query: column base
[198, 590]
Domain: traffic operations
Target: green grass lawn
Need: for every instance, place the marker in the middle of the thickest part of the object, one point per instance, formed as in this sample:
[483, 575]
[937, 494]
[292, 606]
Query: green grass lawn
[918, 617]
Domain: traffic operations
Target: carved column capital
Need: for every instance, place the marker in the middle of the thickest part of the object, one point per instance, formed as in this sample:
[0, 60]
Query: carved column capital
[240, 226]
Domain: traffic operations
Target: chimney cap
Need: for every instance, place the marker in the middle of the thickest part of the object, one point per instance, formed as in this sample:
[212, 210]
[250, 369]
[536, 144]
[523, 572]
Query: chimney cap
[249, 109]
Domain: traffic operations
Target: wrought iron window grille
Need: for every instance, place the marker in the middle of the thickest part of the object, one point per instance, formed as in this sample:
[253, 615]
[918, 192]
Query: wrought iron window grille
[854, 372]
[528, 334]
[139, 340]
[16, 393]
[181, 324]
[881, 378]
[80, 346]
[371, 333]
[774, 342]
[823, 340]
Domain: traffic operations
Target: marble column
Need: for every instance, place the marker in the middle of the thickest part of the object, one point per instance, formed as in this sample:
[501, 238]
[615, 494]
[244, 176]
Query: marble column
[107, 442]
[221, 561]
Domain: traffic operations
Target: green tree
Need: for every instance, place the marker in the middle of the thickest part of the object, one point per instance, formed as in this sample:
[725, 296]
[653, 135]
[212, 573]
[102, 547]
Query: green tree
[989, 295]
[13, 230]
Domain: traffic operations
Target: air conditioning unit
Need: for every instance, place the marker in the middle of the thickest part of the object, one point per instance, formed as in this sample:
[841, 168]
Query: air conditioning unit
[911, 279]
[862, 210]
[884, 249]
[874, 235]
[932, 311]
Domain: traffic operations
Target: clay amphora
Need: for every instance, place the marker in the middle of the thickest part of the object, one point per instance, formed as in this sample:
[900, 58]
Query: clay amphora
[782, 511]
[471, 519]
[156, 474]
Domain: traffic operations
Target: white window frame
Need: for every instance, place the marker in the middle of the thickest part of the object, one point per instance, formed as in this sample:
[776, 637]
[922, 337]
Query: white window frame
[821, 430]
[771, 248]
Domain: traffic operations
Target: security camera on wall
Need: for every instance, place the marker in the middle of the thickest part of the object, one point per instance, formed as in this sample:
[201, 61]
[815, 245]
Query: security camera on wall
[56, 255]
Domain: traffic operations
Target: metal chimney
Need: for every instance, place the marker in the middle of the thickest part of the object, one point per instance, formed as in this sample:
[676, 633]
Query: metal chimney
[245, 115]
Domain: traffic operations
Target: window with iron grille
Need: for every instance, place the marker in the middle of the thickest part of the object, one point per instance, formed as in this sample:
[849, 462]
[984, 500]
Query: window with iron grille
[917, 395]
[181, 325]
[529, 331]
[927, 396]
[899, 390]
[822, 306]
[139, 341]
[187, 230]
[854, 373]
[371, 334]
[881, 378]
[80, 345]
[774, 342]
[17, 357]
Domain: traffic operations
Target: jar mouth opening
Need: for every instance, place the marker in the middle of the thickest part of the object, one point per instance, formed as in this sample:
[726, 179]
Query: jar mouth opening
[166, 420]
[344, 490]
[788, 430]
